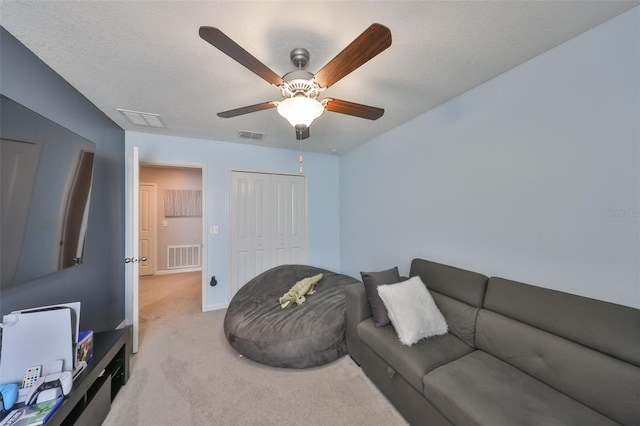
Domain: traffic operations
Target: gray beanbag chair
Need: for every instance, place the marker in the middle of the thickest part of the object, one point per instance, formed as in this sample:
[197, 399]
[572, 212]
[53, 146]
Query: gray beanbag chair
[298, 336]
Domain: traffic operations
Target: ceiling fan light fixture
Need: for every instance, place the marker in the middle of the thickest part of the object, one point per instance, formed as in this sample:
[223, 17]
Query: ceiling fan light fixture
[300, 111]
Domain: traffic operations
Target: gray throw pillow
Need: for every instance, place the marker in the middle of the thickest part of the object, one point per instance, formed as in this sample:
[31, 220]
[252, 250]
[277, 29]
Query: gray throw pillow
[371, 282]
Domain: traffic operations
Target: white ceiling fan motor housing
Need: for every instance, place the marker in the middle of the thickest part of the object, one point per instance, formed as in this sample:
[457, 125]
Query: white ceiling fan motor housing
[299, 82]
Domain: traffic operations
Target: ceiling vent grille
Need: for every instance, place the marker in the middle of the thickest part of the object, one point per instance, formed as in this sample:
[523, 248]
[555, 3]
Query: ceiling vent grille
[142, 118]
[251, 135]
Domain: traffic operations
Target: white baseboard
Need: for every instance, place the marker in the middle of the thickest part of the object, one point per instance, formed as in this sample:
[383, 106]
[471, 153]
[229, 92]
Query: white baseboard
[123, 324]
[177, 271]
[215, 307]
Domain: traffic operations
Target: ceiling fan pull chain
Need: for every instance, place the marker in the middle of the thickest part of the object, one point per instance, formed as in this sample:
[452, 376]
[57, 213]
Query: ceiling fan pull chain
[300, 171]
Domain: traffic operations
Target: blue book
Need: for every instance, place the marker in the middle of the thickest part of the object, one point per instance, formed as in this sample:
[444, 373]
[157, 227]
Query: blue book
[32, 415]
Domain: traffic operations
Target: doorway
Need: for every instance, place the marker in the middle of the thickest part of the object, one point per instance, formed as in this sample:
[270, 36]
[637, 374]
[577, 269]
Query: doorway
[171, 242]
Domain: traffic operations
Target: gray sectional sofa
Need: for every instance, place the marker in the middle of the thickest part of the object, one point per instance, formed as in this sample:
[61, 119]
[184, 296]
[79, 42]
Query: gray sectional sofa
[515, 354]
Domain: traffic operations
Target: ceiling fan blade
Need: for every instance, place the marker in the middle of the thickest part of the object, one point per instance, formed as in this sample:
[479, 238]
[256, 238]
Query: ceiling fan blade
[222, 42]
[352, 108]
[303, 134]
[371, 42]
[246, 110]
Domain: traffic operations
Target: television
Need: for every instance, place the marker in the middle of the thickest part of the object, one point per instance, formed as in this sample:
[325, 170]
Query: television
[45, 179]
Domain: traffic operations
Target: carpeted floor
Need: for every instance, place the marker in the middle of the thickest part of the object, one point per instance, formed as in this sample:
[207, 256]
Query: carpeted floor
[185, 373]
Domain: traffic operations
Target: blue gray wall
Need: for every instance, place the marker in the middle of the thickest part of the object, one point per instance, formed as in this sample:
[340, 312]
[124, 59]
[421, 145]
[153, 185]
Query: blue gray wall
[532, 176]
[99, 282]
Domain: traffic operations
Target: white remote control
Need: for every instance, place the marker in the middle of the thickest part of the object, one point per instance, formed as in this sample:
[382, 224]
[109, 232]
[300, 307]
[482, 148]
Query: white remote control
[31, 376]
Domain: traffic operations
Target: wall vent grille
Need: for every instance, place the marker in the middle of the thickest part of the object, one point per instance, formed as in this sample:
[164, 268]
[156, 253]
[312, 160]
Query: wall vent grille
[183, 256]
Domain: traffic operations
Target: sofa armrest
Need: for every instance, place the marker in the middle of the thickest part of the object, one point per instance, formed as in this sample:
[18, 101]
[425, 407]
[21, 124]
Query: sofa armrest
[356, 310]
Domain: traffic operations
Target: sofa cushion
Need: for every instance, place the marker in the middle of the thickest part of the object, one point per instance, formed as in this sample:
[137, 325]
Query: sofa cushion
[460, 317]
[466, 286]
[412, 311]
[457, 292]
[479, 389]
[415, 361]
[371, 282]
[603, 326]
[607, 384]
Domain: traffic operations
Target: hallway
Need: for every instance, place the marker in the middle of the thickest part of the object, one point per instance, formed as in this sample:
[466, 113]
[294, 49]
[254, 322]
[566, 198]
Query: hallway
[165, 297]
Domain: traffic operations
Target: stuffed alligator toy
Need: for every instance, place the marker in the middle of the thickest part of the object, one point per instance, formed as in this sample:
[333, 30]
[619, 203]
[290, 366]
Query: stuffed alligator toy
[297, 292]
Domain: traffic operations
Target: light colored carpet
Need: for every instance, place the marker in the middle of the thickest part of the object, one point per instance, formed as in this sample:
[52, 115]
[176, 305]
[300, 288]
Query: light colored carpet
[186, 373]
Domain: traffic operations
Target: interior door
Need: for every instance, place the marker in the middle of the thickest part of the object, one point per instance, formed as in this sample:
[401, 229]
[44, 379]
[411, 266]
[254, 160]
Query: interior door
[148, 228]
[132, 270]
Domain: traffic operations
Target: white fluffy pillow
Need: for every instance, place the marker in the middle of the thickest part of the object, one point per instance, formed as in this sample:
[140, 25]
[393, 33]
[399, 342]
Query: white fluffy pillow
[412, 311]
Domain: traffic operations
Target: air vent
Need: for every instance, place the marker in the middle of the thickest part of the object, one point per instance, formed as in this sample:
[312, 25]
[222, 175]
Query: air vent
[251, 135]
[142, 118]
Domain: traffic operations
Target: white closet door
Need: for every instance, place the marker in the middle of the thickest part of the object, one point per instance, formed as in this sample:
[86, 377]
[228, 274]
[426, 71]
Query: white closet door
[268, 222]
[250, 227]
[241, 229]
[261, 195]
[289, 224]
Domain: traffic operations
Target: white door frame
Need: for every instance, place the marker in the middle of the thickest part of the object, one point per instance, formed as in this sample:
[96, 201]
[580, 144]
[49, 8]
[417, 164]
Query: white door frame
[131, 285]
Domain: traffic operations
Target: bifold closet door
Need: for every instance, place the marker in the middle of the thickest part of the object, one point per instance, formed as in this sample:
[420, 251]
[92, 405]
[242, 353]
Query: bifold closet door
[268, 224]
[249, 218]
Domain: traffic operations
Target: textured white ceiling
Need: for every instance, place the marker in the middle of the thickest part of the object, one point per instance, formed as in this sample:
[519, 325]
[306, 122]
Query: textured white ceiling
[147, 56]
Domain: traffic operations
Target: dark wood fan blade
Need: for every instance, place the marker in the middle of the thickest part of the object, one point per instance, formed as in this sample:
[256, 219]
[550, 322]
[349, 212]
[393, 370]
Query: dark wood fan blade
[303, 134]
[222, 42]
[371, 42]
[247, 109]
[352, 108]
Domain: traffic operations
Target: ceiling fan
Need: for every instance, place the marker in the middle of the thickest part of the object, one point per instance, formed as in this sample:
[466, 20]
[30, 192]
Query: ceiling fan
[300, 89]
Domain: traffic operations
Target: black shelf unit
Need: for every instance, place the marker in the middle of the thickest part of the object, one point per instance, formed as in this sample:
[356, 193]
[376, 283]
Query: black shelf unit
[93, 390]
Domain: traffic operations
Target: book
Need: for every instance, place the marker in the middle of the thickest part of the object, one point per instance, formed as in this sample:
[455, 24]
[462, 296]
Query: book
[32, 415]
